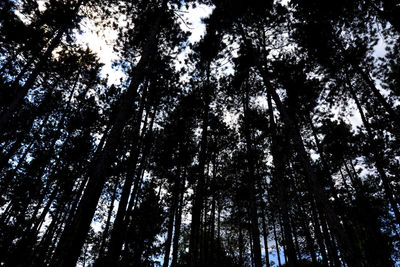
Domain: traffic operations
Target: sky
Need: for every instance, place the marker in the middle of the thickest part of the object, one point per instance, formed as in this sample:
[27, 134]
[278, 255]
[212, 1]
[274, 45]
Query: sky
[102, 45]
[191, 21]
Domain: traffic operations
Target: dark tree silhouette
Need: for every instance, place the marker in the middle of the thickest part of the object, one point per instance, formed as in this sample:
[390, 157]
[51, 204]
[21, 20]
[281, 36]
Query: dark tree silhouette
[271, 141]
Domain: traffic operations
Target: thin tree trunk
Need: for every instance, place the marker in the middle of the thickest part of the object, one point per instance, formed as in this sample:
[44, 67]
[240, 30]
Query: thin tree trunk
[251, 185]
[330, 244]
[108, 222]
[377, 157]
[309, 239]
[345, 244]
[285, 253]
[278, 254]
[22, 91]
[168, 241]
[265, 235]
[241, 246]
[178, 219]
[119, 224]
[279, 159]
[296, 241]
[318, 234]
[172, 213]
[199, 190]
[212, 244]
[369, 82]
[73, 237]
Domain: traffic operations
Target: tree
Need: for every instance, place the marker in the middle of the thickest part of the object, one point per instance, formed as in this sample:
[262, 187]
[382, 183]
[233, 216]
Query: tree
[276, 133]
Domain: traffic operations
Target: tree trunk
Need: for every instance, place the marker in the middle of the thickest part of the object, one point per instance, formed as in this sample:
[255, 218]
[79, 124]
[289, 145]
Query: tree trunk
[199, 192]
[168, 241]
[73, 237]
[178, 219]
[296, 241]
[307, 233]
[119, 224]
[172, 213]
[279, 160]
[330, 243]
[212, 244]
[108, 222]
[377, 157]
[369, 82]
[265, 235]
[317, 189]
[251, 185]
[278, 254]
[22, 91]
[318, 234]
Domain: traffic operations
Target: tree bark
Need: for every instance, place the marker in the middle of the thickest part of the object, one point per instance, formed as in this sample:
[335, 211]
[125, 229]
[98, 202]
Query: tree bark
[173, 209]
[251, 185]
[108, 222]
[73, 237]
[369, 82]
[178, 219]
[22, 91]
[278, 254]
[279, 161]
[199, 192]
[377, 157]
[345, 244]
[119, 224]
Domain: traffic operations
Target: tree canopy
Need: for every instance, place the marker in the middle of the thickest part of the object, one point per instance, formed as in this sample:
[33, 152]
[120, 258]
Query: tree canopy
[273, 140]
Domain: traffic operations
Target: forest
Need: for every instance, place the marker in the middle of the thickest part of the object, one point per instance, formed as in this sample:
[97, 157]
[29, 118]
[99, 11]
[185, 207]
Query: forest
[273, 140]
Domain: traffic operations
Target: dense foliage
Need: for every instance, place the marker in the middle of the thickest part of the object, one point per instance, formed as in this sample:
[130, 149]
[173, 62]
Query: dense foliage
[271, 141]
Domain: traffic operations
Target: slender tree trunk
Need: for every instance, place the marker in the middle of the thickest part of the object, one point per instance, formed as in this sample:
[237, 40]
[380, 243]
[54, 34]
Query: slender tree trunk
[212, 244]
[168, 241]
[73, 237]
[203, 225]
[278, 254]
[330, 244]
[108, 222]
[178, 219]
[199, 191]
[317, 189]
[307, 233]
[318, 234]
[251, 185]
[119, 224]
[377, 158]
[22, 91]
[279, 159]
[285, 252]
[173, 209]
[265, 235]
[369, 82]
[241, 246]
[296, 241]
